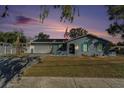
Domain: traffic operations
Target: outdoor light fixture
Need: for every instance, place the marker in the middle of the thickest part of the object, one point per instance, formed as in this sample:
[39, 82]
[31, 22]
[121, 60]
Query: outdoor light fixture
[76, 47]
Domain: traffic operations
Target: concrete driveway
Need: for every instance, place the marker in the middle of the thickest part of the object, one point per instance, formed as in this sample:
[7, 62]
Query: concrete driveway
[66, 82]
[13, 67]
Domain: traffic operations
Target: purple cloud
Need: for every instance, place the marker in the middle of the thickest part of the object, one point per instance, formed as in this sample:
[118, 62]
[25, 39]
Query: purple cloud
[24, 20]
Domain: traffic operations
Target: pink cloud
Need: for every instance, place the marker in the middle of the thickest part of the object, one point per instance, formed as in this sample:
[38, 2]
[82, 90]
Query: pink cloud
[56, 28]
[105, 35]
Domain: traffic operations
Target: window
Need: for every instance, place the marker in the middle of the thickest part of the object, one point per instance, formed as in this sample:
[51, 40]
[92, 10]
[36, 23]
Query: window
[99, 47]
[85, 47]
[59, 46]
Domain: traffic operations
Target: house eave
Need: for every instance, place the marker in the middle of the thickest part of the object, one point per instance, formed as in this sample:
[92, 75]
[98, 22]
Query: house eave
[47, 42]
[90, 36]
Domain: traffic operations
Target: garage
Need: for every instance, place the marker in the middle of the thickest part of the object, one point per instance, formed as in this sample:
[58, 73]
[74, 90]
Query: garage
[43, 48]
[47, 46]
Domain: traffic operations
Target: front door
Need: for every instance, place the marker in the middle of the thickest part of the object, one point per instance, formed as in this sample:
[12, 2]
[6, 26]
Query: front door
[72, 49]
[31, 50]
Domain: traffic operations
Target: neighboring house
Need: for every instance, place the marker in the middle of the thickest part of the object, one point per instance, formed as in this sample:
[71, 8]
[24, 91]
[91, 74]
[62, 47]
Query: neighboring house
[7, 48]
[117, 50]
[88, 45]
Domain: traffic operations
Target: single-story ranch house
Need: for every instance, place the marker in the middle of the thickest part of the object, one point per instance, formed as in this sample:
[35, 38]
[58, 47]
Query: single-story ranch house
[88, 45]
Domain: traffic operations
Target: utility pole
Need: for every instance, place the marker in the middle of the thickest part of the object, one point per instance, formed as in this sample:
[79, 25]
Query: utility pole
[18, 52]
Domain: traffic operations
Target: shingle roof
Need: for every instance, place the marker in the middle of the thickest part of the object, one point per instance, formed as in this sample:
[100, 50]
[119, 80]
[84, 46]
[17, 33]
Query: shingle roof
[66, 40]
[49, 41]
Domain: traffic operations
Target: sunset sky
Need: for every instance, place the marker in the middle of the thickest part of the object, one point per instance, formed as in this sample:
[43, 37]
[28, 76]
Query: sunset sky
[92, 18]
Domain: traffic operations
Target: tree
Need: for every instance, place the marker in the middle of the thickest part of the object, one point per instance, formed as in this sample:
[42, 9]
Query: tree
[76, 32]
[5, 12]
[120, 44]
[42, 36]
[116, 16]
[20, 39]
[10, 37]
[16, 38]
[2, 37]
[67, 12]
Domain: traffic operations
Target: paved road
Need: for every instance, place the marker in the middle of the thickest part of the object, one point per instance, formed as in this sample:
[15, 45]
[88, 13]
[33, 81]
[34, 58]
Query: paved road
[13, 66]
[66, 82]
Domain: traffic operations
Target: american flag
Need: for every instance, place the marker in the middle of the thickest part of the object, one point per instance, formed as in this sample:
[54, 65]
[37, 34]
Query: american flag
[66, 35]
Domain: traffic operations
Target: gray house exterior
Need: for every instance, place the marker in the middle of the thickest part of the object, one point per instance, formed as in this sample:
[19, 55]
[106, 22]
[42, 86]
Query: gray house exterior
[88, 45]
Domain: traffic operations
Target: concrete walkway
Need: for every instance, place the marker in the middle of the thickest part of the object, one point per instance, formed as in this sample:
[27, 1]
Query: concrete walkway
[66, 82]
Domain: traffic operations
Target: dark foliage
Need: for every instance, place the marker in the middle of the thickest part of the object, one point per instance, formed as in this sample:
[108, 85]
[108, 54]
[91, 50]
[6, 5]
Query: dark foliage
[76, 32]
[42, 36]
[116, 16]
[11, 37]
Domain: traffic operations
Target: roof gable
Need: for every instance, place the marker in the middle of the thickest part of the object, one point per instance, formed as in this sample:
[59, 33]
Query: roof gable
[90, 35]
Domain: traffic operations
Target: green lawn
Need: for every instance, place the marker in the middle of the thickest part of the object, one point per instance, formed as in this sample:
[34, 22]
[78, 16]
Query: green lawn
[79, 67]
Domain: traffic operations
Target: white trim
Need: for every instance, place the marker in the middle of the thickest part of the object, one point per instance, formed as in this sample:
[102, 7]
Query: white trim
[46, 42]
